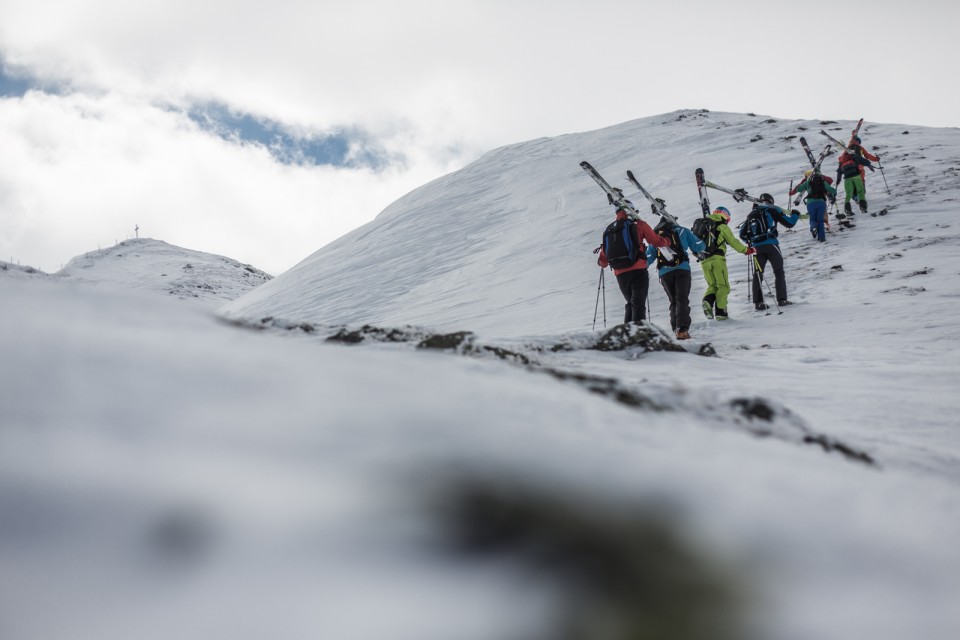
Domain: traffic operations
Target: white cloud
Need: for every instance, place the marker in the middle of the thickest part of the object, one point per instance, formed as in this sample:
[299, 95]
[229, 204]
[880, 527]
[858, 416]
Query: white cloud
[81, 172]
[437, 81]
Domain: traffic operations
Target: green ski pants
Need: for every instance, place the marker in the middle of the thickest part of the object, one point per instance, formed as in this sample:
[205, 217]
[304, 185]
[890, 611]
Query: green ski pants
[855, 189]
[718, 280]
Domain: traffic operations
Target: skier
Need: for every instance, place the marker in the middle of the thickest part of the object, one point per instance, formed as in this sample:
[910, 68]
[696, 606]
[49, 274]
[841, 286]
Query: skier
[819, 189]
[632, 277]
[759, 230]
[851, 167]
[675, 273]
[714, 264]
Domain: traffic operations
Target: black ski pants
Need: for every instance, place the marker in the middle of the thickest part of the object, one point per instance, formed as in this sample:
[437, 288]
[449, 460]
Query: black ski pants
[676, 284]
[769, 253]
[634, 286]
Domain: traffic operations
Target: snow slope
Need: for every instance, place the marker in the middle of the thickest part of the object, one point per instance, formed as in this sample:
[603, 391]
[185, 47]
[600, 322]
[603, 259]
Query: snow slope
[503, 246]
[292, 474]
[153, 265]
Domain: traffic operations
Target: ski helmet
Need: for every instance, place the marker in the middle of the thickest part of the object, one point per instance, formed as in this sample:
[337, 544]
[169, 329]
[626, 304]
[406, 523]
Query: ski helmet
[766, 198]
[722, 212]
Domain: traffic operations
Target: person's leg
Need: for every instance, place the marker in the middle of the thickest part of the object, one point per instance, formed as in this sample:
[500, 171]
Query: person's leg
[723, 288]
[680, 305]
[624, 282]
[667, 282]
[776, 261]
[640, 284]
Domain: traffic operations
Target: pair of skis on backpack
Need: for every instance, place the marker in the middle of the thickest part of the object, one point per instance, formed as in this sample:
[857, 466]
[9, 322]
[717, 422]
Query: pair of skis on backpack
[615, 196]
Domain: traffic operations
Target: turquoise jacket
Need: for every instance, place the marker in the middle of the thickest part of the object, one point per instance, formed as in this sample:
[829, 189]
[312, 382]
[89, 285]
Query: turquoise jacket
[688, 241]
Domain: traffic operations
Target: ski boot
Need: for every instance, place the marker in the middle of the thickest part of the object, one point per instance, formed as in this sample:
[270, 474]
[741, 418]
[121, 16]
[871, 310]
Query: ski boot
[863, 206]
[722, 314]
[708, 306]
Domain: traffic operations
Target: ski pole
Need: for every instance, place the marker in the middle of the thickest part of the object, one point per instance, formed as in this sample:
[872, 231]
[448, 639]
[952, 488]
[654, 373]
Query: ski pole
[749, 282]
[604, 283]
[884, 179]
[597, 305]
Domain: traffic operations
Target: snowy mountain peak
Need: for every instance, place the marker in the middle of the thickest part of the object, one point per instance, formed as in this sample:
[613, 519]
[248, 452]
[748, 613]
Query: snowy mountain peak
[154, 265]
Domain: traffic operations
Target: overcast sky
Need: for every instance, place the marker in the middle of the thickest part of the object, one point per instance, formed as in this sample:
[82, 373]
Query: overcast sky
[264, 130]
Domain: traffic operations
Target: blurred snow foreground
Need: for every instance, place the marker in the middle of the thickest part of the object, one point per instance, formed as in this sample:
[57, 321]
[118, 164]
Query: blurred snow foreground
[313, 462]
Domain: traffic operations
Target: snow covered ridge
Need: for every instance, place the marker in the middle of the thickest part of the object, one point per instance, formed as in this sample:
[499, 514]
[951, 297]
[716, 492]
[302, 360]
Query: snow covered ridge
[153, 265]
[757, 416]
[503, 245]
[11, 270]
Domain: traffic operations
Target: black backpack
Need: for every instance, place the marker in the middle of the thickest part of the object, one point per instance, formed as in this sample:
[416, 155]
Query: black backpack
[756, 227]
[706, 229]
[676, 246]
[620, 244]
[816, 188]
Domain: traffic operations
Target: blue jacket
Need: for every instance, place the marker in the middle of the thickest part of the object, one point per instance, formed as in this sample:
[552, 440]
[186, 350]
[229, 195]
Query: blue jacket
[773, 215]
[689, 242]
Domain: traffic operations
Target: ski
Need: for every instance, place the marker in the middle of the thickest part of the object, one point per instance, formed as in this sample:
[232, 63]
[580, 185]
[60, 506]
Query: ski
[658, 206]
[739, 195]
[840, 145]
[702, 190]
[815, 162]
[856, 129]
[614, 195]
[806, 149]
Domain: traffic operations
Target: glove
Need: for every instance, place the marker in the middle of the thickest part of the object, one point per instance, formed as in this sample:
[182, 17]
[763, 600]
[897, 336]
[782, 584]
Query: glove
[751, 251]
[701, 256]
[832, 198]
[794, 212]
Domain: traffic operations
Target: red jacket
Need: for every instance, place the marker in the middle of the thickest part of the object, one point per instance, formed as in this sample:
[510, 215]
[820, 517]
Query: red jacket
[644, 232]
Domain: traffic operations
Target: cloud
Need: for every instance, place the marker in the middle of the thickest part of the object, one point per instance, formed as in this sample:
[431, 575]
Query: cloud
[341, 148]
[233, 126]
[81, 171]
